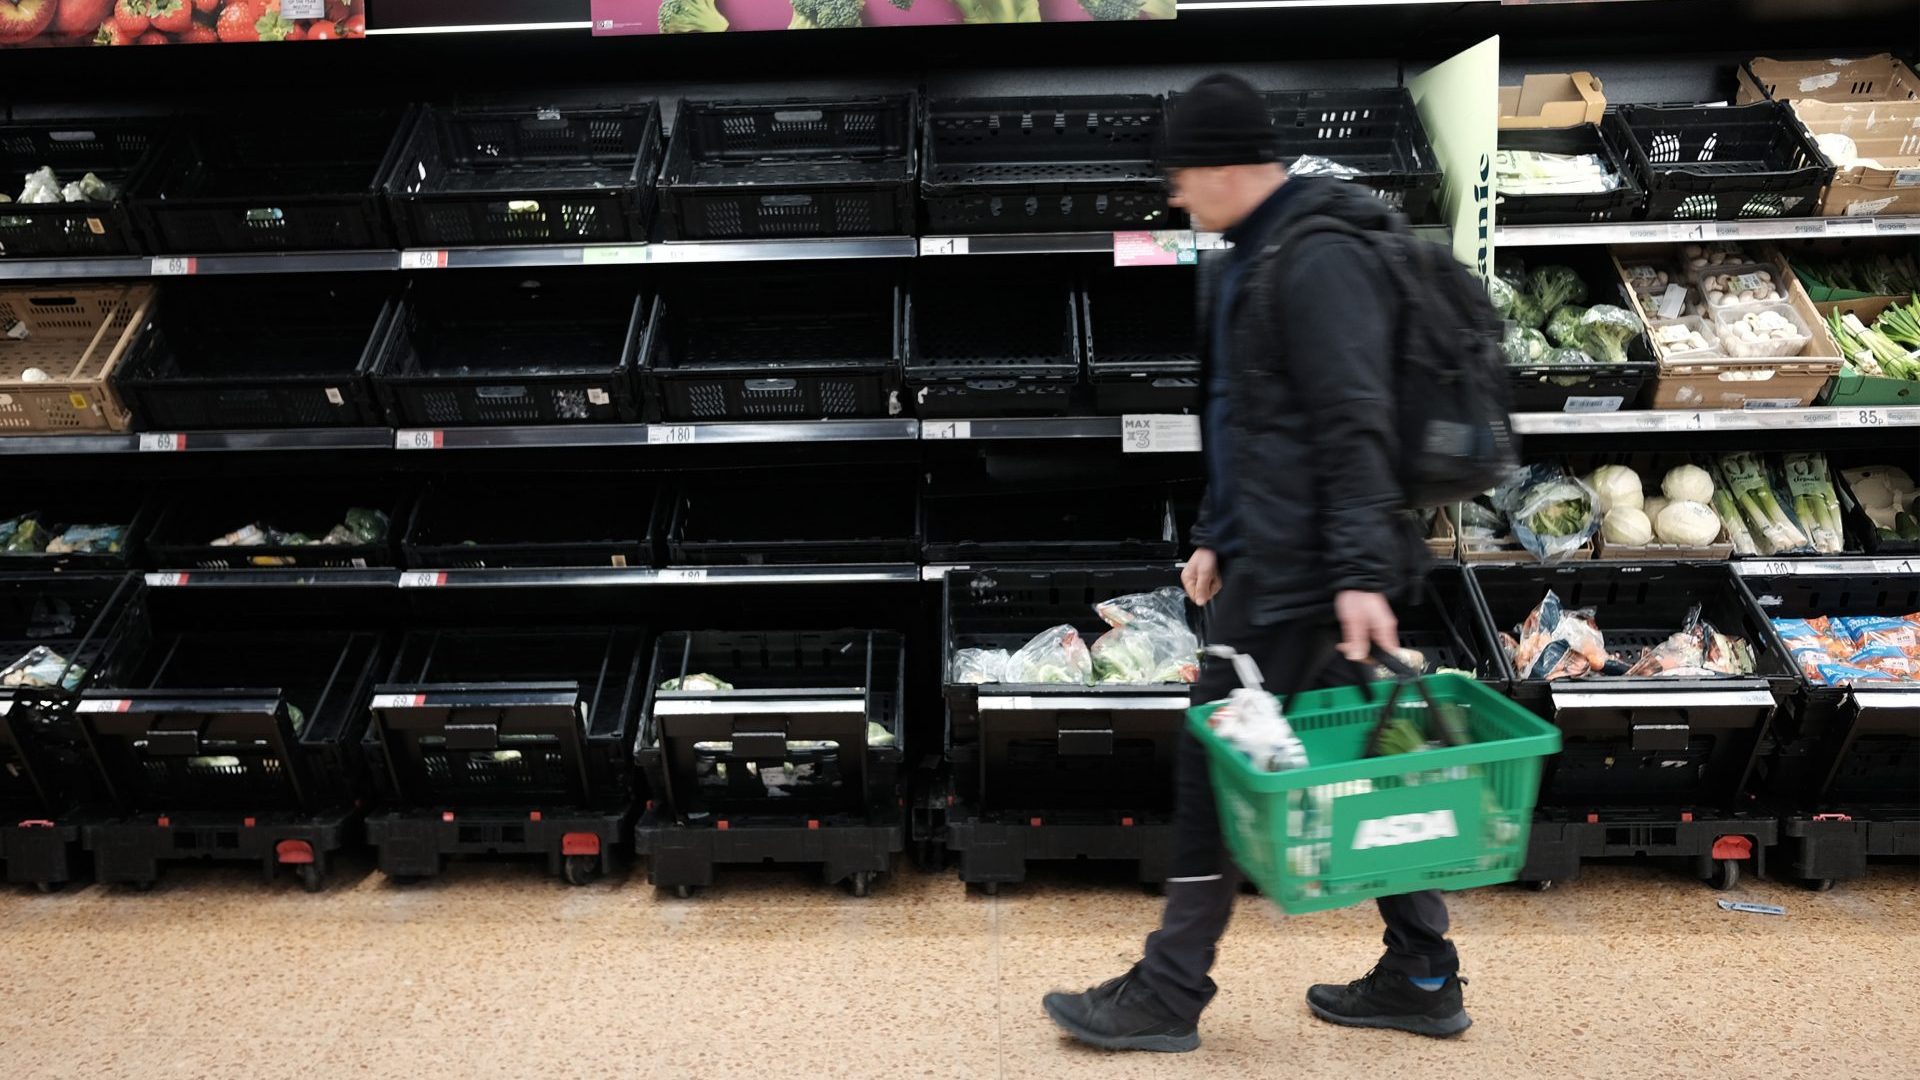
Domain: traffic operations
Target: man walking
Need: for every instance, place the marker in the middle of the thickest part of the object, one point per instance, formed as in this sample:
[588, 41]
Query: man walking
[1299, 549]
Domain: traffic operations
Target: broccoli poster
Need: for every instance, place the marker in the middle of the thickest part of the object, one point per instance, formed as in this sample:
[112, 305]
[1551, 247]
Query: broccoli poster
[614, 17]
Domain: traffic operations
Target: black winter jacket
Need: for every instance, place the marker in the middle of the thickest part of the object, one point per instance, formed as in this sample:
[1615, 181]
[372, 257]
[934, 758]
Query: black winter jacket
[1317, 502]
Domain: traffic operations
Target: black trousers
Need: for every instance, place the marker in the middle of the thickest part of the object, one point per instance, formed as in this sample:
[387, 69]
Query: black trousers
[1201, 892]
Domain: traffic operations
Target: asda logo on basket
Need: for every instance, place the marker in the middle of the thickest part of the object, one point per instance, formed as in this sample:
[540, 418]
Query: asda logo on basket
[1405, 829]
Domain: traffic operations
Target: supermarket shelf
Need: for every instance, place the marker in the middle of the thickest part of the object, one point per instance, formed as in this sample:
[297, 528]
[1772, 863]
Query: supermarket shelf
[1648, 421]
[1646, 232]
[697, 575]
[1825, 567]
[303, 262]
[1035, 427]
[175, 441]
[587, 435]
[218, 579]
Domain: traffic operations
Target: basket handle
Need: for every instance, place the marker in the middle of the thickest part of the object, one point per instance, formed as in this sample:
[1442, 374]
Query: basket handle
[1353, 674]
[1403, 677]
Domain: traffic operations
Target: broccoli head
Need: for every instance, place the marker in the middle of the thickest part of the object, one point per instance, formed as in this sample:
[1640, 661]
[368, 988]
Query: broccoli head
[1502, 295]
[826, 14]
[1605, 332]
[1563, 326]
[1553, 286]
[1527, 311]
[998, 11]
[691, 17]
[1127, 10]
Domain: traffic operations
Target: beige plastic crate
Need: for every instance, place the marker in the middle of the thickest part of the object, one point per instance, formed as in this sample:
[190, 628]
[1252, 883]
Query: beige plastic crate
[76, 336]
[1866, 78]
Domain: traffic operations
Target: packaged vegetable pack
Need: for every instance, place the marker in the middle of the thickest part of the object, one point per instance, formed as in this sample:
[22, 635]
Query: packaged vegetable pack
[1551, 510]
[1055, 655]
[1150, 641]
[1555, 643]
[978, 666]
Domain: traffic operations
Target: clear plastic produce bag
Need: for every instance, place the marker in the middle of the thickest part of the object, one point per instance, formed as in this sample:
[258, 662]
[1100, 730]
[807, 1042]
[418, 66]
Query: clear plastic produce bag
[42, 667]
[1055, 655]
[978, 666]
[1314, 165]
[1551, 511]
[1151, 641]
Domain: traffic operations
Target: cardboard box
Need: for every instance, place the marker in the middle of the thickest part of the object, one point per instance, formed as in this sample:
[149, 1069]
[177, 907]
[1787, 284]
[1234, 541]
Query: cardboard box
[1887, 132]
[1866, 78]
[1851, 388]
[1558, 100]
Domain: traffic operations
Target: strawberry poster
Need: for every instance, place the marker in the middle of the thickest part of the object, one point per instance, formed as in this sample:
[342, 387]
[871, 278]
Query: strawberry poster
[29, 23]
[615, 17]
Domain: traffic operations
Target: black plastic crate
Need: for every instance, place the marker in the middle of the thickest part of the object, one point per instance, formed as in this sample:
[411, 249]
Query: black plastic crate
[819, 345]
[1724, 163]
[1580, 387]
[769, 520]
[991, 344]
[1044, 164]
[747, 170]
[1077, 524]
[1643, 741]
[113, 150]
[1861, 529]
[534, 520]
[514, 349]
[1608, 141]
[183, 533]
[526, 174]
[1377, 132]
[255, 182]
[812, 726]
[240, 352]
[65, 504]
[520, 718]
[1142, 340]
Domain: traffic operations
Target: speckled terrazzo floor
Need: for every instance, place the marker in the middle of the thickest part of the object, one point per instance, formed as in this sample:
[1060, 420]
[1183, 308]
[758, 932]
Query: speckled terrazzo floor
[495, 971]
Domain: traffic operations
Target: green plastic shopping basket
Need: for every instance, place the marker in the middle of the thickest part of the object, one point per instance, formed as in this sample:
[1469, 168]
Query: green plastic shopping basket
[1349, 828]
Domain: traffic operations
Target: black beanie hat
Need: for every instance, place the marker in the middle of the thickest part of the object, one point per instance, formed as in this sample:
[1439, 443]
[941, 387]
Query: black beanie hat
[1221, 121]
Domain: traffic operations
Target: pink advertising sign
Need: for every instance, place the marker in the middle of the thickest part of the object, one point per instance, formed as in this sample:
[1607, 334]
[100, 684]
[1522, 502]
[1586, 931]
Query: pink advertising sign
[616, 17]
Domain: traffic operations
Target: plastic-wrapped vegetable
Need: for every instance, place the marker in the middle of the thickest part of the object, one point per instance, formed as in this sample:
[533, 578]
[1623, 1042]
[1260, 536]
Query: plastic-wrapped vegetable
[1502, 294]
[1123, 654]
[1745, 478]
[1055, 655]
[696, 684]
[1815, 503]
[368, 526]
[1563, 326]
[88, 540]
[1162, 648]
[1567, 355]
[1514, 345]
[1552, 286]
[1554, 643]
[1606, 331]
[23, 535]
[1552, 512]
[42, 667]
[976, 666]
[1688, 523]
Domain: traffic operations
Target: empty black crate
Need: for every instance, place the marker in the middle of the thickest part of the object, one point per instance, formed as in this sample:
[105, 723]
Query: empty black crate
[1078, 524]
[1607, 141]
[508, 717]
[997, 342]
[1376, 132]
[722, 519]
[744, 170]
[1623, 745]
[1833, 751]
[259, 353]
[1043, 164]
[532, 520]
[81, 507]
[525, 174]
[819, 345]
[811, 726]
[256, 182]
[184, 532]
[514, 349]
[113, 150]
[1142, 349]
[1724, 163]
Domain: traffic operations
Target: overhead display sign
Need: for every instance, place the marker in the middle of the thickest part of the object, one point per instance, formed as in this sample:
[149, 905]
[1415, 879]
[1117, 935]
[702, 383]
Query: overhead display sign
[616, 17]
[35, 23]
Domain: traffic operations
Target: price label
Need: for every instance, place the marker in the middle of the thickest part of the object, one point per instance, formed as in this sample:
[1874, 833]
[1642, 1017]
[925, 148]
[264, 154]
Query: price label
[399, 701]
[1210, 241]
[1868, 418]
[105, 705]
[1169, 247]
[608, 256]
[949, 429]
[166, 581]
[944, 245]
[1772, 569]
[1158, 434]
[1895, 566]
[422, 260]
[1578, 404]
[174, 266]
[1699, 421]
[156, 442]
[1849, 226]
[419, 440]
[1731, 230]
[423, 579]
[673, 253]
[1770, 403]
[1650, 232]
[670, 434]
[303, 9]
[683, 575]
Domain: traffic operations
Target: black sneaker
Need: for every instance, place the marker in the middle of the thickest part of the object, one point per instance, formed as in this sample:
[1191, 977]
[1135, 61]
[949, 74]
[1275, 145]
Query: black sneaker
[1387, 999]
[1122, 1015]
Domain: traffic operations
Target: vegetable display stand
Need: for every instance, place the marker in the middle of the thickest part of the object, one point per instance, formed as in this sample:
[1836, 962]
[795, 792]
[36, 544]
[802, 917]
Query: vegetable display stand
[1847, 764]
[48, 785]
[514, 349]
[1140, 340]
[762, 521]
[1607, 141]
[92, 528]
[1347, 827]
[791, 756]
[1049, 526]
[1053, 771]
[824, 345]
[778, 170]
[1044, 164]
[226, 746]
[1376, 133]
[114, 151]
[524, 174]
[258, 183]
[594, 519]
[505, 742]
[1712, 163]
[1714, 844]
[289, 523]
[232, 353]
[58, 360]
[982, 345]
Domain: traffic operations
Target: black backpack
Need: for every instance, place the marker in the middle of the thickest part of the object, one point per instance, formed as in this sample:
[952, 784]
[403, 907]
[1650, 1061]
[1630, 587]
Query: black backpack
[1453, 398]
